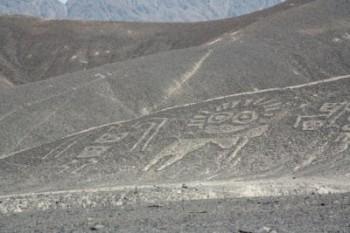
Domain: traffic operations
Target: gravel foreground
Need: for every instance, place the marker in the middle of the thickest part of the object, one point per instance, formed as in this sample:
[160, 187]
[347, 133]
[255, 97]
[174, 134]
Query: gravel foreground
[298, 214]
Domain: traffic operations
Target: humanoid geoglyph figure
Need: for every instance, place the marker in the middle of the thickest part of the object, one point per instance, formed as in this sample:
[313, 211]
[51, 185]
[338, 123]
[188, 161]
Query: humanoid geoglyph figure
[230, 125]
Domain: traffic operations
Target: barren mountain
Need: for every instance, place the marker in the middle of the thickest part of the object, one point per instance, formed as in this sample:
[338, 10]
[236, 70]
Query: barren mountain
[163, 10]
[135, 10]
[41, 8]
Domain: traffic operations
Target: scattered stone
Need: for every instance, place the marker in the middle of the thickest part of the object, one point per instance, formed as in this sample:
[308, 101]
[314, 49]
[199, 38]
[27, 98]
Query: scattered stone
[97, 227]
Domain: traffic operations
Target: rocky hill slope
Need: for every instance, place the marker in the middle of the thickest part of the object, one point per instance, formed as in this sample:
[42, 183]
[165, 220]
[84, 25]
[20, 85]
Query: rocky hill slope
[32, 49]
[281, 141]
[265, 54]
[244, 128]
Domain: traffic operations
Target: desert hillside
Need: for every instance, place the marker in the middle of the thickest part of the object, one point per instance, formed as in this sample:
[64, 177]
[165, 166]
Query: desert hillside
[239, 125]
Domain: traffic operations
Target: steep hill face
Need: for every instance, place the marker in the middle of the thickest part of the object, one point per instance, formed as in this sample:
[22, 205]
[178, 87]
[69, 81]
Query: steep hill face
[163, 10]
[266, 54]
[33, 50]
[40, 8]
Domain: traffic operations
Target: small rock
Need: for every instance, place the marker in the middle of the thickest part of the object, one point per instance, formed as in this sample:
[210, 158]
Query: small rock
[241, 231]
[336, 40]
[97, 227]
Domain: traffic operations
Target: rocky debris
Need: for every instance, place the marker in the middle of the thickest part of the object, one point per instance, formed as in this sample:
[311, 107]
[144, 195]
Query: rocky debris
[298, 214]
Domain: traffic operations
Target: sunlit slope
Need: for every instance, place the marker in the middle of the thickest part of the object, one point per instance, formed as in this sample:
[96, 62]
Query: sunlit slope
[281, 140]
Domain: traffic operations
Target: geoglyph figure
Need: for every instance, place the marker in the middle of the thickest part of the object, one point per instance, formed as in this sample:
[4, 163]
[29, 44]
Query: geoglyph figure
[230, 126]
[332, 115]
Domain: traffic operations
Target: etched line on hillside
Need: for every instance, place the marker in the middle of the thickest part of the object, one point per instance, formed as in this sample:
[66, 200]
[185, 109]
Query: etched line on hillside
[334, 185]
[119, 102]
[188, 75]
[43, 100]
[60, 149]
[73, 89]
[7, 82]
[46, 119]
[69, 135]
[30, 130]
[148, 135]
[310, 84]
[235, 36]
[243, 141]
[213, 42]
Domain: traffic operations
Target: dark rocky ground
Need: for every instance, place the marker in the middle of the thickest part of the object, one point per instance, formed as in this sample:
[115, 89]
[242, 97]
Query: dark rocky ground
[297, 214]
